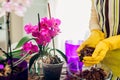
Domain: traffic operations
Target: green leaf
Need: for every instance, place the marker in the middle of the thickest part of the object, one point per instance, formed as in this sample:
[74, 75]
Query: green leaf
[1, 58]
[34, 57]
[62, 54]
[22, 41]
[16, 54]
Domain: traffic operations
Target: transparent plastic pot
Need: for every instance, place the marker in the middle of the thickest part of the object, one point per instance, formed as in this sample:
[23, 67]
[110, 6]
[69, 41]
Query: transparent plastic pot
[52, 71]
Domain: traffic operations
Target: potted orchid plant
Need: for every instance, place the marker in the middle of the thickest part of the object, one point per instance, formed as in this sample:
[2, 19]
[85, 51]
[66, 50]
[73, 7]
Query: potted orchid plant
[12, 68]
[41, 35]
[38, 42]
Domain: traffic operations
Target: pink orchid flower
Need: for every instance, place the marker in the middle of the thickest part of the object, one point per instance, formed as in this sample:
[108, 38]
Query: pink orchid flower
[49, 28]
[43, 37]
[30, 48]
[29, 28]
[19, 7]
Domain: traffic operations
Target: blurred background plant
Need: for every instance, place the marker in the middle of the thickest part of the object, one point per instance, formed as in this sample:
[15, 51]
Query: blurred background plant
[7, 7]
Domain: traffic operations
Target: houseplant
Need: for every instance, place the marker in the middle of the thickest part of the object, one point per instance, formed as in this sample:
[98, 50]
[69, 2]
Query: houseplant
[10, 66]
[41, 35]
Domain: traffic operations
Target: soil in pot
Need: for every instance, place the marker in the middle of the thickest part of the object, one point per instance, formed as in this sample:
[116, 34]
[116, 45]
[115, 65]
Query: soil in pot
[52, 71]
[20, 72]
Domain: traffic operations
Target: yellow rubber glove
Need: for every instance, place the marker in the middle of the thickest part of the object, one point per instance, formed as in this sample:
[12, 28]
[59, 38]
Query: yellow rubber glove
[95, 37]
[101, 49]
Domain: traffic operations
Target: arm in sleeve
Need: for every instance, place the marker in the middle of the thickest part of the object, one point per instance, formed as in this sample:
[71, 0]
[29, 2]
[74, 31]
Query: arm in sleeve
[93, 23]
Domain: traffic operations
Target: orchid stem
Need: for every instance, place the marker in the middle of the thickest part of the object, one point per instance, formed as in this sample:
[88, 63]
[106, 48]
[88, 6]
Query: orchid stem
[9, 41]
[49, 10]
[50, 18]
[5, 53]
[53, 45]
[39, 21]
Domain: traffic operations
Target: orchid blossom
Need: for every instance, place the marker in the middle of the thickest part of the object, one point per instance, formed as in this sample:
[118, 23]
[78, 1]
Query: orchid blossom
[29, 48]
[17, 6]
[49, 28]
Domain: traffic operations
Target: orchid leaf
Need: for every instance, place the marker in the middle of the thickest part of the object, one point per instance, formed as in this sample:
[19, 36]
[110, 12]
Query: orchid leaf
[1, 58]
[16, 54]
[22, 41]
[61, 53]
[32, 60]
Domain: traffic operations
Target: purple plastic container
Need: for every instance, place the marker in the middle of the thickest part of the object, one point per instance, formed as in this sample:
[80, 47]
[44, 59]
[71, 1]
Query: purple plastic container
[19, 76]
[70, 50]
[74, 67]
[71, 54]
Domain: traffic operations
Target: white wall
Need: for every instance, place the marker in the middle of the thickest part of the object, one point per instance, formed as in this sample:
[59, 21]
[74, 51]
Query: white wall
[16, 28]
[74, 15]
[37, 6]
[3, 41]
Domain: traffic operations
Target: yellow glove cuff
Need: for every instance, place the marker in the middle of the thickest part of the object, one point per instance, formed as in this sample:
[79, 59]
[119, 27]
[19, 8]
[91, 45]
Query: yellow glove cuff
[113, 42]
[99, 33]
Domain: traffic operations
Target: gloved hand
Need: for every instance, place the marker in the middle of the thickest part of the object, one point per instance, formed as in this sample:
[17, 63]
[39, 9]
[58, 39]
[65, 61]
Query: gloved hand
[101, 49]
[92, 41]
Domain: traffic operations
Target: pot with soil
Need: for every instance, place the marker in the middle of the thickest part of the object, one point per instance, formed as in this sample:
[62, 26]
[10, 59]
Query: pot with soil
[95, 72]
[52, 68]
[98, 72]
[19, 72]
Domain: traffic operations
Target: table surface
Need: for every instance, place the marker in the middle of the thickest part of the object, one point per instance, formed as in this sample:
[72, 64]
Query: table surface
[35, 76]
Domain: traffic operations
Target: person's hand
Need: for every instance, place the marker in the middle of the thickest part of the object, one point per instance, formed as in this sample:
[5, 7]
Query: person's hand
[95, 37]
[98, 55]
[101, 50]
